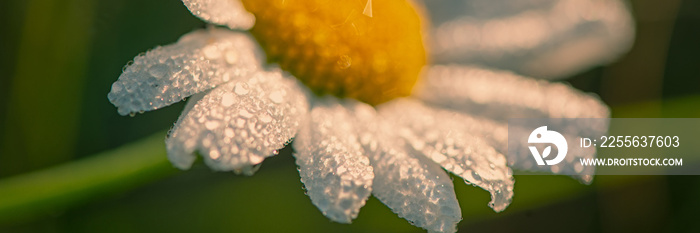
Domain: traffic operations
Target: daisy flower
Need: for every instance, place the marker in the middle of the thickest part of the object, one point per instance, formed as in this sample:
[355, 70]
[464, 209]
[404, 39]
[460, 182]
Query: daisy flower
[347, 81]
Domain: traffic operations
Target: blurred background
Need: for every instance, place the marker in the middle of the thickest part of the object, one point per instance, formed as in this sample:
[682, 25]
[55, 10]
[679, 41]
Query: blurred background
[58, 60]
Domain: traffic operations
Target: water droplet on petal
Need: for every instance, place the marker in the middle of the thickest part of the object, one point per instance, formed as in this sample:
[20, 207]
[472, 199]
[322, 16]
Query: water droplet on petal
[555, 169]
[439, 158]
[241, 88]
[276, 97]
[158, 70]
[240, 122]
[476, 176]
[214, 154]
[228, 132]
[231, 57]
[227, 99]
[211, 125]
[116, 87]
[211, 52]
[254, 159]
[265, 118]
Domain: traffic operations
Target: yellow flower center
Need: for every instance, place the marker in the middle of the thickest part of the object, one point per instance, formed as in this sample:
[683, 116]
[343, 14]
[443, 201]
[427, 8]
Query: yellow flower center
[363, 49]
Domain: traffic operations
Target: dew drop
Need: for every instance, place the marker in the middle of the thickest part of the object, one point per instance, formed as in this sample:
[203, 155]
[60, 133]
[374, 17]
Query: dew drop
[241, 88]
[254, 159]
[555, 169]
[240, 123]
[214, 154]
[206, 142]
[276, 97]
[438, 157]
[158, 70]
[227, 99]
[231, 57]
[458, 170]
[211, 125]
[228, 132]
[476, 176]
[211, 52]
[265, 118]
[116, 87]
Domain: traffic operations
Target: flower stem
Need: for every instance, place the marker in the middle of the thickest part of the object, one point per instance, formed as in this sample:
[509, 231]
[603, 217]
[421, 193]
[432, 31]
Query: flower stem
[54, 189]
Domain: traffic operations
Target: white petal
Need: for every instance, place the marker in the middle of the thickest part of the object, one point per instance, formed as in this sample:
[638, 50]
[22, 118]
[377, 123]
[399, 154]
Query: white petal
[237, 125]
[413, 187]
[332, 164]
[446, 138]
[183, 160]
[199, 61]
[543, 39]
[230, 13]
[502, 95]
